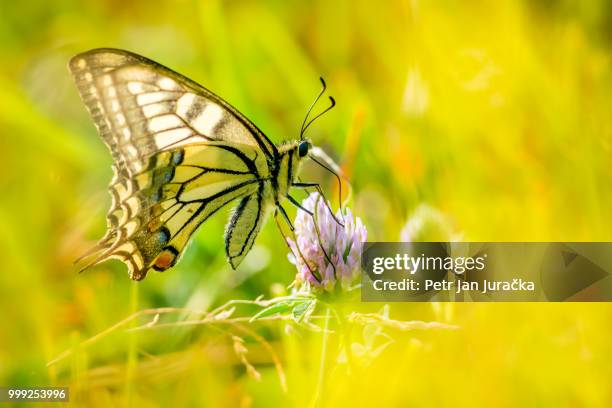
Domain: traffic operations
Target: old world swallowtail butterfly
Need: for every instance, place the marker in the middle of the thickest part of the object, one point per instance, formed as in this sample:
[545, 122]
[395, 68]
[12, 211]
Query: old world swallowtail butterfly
[180, 154]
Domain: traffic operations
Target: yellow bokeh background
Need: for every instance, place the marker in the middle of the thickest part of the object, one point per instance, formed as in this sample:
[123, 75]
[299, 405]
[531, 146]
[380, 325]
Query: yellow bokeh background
[497, 114]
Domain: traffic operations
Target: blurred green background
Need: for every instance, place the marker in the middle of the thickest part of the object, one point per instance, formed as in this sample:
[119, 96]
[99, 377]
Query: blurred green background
[498, 114]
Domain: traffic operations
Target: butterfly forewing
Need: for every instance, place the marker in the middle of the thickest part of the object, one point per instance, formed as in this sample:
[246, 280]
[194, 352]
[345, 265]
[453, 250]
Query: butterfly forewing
[141, 107]
[181, 153]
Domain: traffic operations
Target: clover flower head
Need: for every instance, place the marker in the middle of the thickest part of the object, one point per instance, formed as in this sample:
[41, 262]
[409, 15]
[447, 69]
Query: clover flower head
[326, 254]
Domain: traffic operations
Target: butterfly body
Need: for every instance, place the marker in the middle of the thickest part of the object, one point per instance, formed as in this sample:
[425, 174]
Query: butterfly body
[180, 154]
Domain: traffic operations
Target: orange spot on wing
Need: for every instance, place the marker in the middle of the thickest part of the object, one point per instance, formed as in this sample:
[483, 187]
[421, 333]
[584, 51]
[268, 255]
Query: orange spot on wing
[165, 260]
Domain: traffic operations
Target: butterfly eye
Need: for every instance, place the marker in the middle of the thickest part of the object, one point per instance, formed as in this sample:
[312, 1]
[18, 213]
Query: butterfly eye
[303, 148]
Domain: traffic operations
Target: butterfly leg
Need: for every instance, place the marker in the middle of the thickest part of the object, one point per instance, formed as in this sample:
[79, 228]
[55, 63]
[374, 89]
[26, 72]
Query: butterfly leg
[316, 225]
[305, 185]
[317, 186]
[314, 217]
[298, 205]
[281, 210]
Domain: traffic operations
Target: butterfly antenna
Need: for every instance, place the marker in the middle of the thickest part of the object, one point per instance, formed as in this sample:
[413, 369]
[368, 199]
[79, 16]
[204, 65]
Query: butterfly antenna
[321, 92]
[333, 103]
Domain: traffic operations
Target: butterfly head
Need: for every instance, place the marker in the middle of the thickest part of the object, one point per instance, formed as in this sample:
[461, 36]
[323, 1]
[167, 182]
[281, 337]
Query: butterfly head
[297, 149]
[303, 147]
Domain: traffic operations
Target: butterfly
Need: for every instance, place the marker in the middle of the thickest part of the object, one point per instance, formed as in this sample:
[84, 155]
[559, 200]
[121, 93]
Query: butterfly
[181, 153]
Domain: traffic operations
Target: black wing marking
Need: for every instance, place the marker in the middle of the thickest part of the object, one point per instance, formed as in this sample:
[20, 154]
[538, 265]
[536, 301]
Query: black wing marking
[244, 226]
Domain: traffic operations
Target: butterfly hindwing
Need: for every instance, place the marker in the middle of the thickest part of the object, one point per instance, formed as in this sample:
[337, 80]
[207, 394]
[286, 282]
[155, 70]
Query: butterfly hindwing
[154, 213]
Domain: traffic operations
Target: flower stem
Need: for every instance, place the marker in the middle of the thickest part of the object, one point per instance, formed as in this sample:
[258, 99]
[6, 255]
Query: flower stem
[321, 380]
